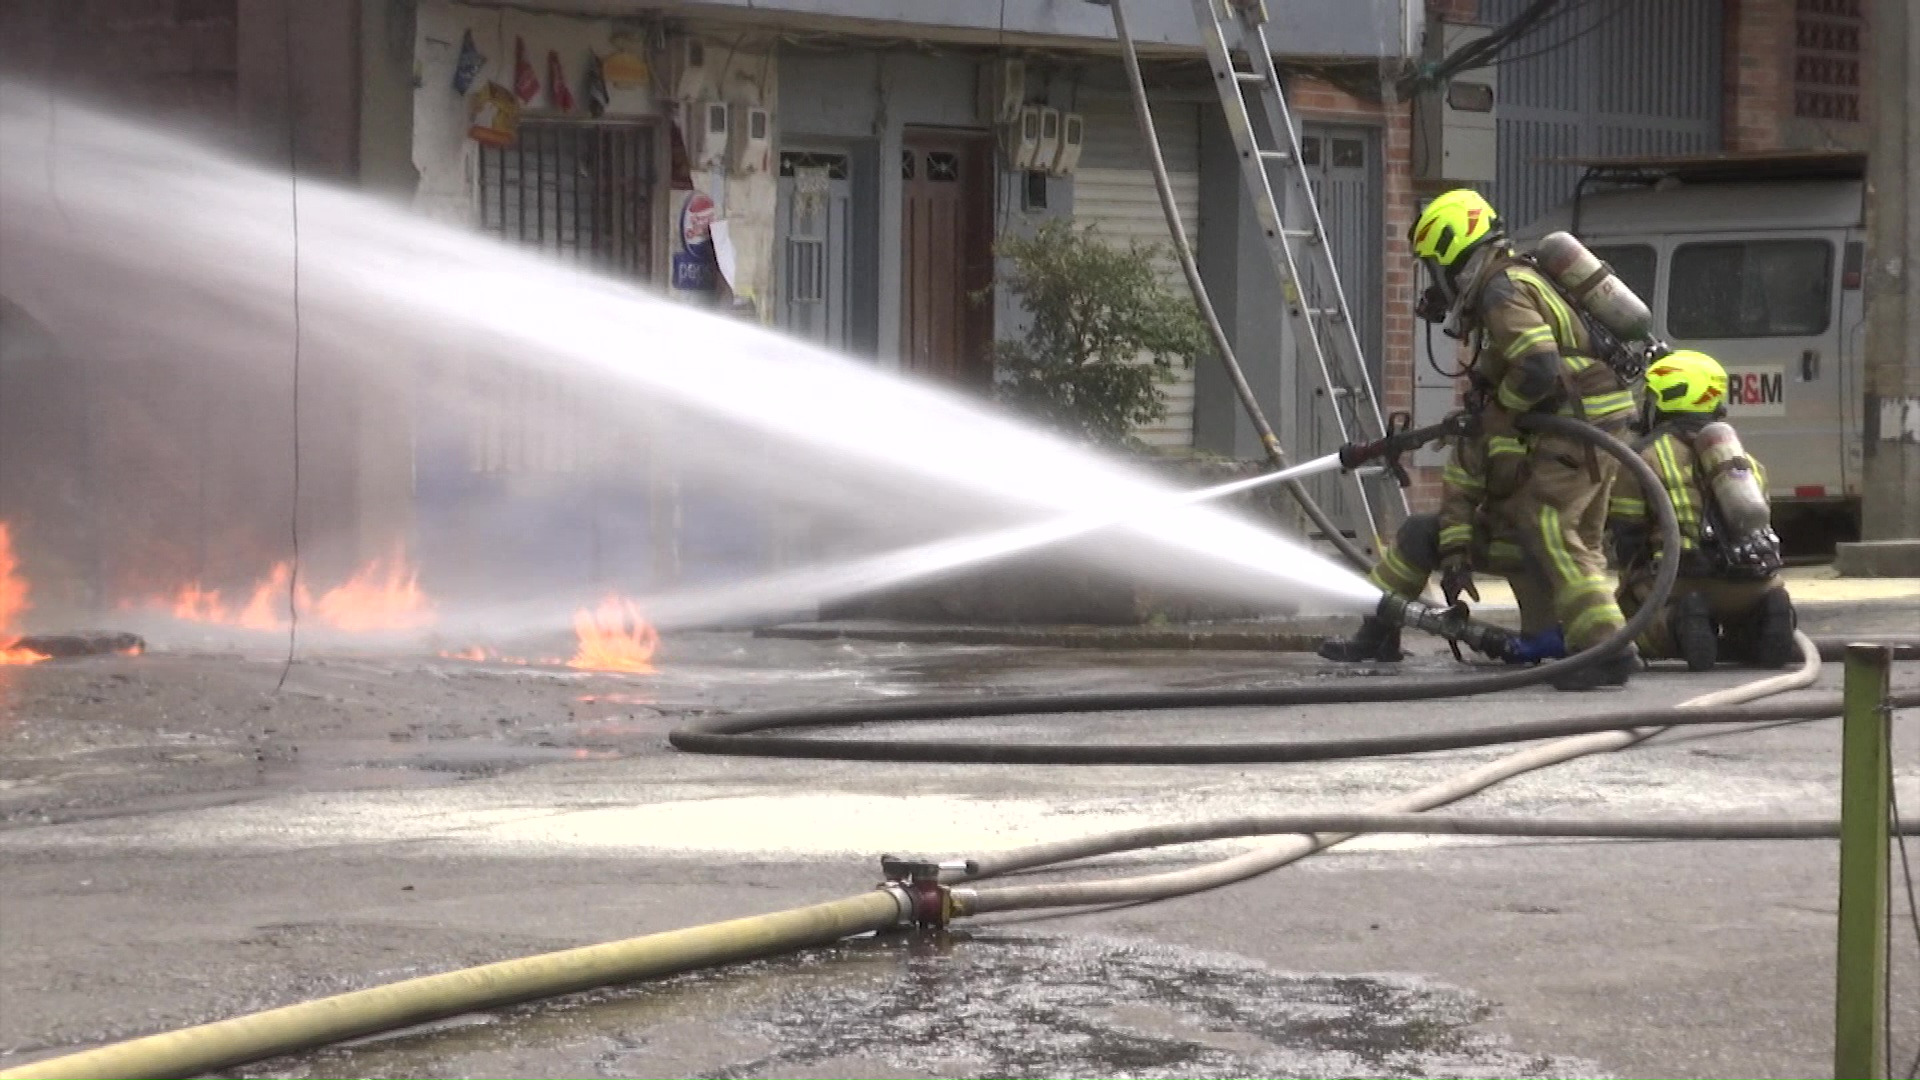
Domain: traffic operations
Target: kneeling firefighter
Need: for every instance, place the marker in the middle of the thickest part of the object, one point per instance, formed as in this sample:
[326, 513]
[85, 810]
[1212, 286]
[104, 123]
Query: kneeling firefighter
[1467, 534]
[1729, 601]
[1532, 349]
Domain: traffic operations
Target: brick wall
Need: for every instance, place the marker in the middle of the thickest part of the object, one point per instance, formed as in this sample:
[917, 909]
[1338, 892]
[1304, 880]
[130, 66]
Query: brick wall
[1758, 95]
[1317, 101]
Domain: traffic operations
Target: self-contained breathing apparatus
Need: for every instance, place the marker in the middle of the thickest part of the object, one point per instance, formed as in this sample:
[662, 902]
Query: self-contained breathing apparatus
[1737, 527]
[1617, 321]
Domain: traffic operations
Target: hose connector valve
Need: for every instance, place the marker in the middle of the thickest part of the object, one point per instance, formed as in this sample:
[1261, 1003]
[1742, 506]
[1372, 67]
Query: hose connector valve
[919, 881]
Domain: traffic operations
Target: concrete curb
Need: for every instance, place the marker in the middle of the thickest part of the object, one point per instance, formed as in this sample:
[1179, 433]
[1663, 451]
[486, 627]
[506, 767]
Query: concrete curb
[1878, 559]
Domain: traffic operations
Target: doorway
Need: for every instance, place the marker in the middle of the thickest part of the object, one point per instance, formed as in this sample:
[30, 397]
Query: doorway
[946, 237]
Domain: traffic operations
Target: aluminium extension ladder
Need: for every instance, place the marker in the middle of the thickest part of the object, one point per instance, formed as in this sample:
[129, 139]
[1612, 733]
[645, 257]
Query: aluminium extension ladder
[1317, 311]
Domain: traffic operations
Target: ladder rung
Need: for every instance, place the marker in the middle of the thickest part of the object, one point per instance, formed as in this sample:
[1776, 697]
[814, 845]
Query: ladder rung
[1249, 77]
[1300, 234]
[1277, 155]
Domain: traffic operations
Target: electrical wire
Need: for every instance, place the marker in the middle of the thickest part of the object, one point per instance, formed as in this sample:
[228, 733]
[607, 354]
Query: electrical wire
[293, 194]
[1600, 22]
[1913, 911]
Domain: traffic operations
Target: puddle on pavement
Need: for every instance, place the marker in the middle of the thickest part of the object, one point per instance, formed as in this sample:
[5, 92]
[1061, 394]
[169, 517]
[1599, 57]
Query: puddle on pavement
[994, 1005]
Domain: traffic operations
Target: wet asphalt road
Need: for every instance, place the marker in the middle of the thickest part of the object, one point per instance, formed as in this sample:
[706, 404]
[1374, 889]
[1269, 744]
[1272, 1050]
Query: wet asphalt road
[182, 844]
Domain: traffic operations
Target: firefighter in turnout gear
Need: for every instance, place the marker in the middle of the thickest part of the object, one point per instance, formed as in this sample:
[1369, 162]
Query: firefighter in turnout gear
[1467, 534]
[1728, 602]
[1536, 353]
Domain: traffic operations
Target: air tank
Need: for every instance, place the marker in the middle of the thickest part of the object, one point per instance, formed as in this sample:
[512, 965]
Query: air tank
[1594, 286]
[1736, 492]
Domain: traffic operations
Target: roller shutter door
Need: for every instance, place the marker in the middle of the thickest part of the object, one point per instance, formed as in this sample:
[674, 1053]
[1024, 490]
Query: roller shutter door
[1114, 191]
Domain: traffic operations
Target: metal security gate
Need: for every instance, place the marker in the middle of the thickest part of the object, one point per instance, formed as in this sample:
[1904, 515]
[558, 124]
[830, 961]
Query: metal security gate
[579, 189]
[1599, 80]
[814, 245]
[1343, 163]
[1113, 190]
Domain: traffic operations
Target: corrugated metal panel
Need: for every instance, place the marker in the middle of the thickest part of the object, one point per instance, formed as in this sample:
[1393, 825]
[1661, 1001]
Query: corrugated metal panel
[1627, 77]
[1113, 191]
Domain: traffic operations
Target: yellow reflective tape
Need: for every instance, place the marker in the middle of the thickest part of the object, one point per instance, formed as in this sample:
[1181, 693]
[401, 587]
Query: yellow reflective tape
[1560, 559]
[1528, 341]
[1506, 444]
[1581, 624]
[1512, 401]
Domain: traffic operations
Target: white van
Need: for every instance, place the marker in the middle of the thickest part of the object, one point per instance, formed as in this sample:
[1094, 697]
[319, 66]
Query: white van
[1755, 260]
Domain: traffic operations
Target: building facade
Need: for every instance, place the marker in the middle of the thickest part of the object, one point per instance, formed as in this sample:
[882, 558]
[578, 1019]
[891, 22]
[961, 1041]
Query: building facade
[864, 175]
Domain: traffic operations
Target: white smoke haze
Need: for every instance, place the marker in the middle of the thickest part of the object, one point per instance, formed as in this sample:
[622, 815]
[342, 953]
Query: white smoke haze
[168, 268]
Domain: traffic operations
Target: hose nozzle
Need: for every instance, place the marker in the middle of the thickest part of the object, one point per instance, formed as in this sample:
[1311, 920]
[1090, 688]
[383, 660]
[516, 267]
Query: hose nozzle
[1452, 623]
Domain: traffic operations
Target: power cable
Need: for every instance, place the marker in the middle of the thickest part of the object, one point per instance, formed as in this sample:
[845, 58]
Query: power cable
[1600, 22]
[293, 192]
[1913, 912]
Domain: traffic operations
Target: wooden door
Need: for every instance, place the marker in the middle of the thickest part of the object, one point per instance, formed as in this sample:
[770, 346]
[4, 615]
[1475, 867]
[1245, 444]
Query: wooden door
[946, 258]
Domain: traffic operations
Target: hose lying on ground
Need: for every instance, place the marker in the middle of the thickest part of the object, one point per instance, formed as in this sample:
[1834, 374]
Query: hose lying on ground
[973, 901]
[207, 1047]
[1153, 836]
[248, 1038]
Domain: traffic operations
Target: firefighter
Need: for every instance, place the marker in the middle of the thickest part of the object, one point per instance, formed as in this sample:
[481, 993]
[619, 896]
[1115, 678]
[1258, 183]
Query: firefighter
[1466, 534]
[1729, 601]
[1535, 352]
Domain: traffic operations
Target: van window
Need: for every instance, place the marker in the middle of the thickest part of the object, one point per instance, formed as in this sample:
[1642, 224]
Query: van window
[1633, 263]
[1750, 288]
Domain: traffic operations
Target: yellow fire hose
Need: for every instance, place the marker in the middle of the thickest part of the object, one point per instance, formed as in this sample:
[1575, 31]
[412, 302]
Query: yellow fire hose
[195, 1050]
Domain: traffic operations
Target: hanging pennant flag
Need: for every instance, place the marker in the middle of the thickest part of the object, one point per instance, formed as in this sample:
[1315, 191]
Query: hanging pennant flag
[469, 65]
[526, 84]
[596, 86]
[558, 92]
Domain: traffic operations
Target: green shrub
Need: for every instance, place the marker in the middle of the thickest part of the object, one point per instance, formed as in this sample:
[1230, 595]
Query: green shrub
[1103, 337]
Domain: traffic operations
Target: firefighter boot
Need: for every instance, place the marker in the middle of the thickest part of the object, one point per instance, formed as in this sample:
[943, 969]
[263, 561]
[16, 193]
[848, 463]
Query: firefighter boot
[1773, 645]
[1690, 621]
[1376, 641]
[1614, 671]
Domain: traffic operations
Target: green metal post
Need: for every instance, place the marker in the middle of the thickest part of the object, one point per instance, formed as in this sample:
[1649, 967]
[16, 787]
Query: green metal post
[1859, 1037]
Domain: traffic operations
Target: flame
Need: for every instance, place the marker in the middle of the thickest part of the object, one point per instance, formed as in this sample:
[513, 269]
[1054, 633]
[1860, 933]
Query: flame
[265, 608]
[13, 602]
[614, 636]
[384, 595]
[477, 654]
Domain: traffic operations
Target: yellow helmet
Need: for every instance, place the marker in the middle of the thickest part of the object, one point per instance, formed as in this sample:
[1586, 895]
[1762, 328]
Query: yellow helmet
[1687, 382]
[1451, 224]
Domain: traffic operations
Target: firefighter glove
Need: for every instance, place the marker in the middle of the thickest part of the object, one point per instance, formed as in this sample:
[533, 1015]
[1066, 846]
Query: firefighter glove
[1456, 578]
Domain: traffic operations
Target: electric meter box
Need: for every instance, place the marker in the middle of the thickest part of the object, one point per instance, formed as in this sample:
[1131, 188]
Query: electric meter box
[711, 129]
[1003, 89]
[752, 139]
[1454, 138]
[1073, 135]
[1023, 138]
[690, 75]
[1049, 148]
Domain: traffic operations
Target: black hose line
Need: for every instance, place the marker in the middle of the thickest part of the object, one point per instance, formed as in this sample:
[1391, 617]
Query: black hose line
[734, 734]
[709, 739]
